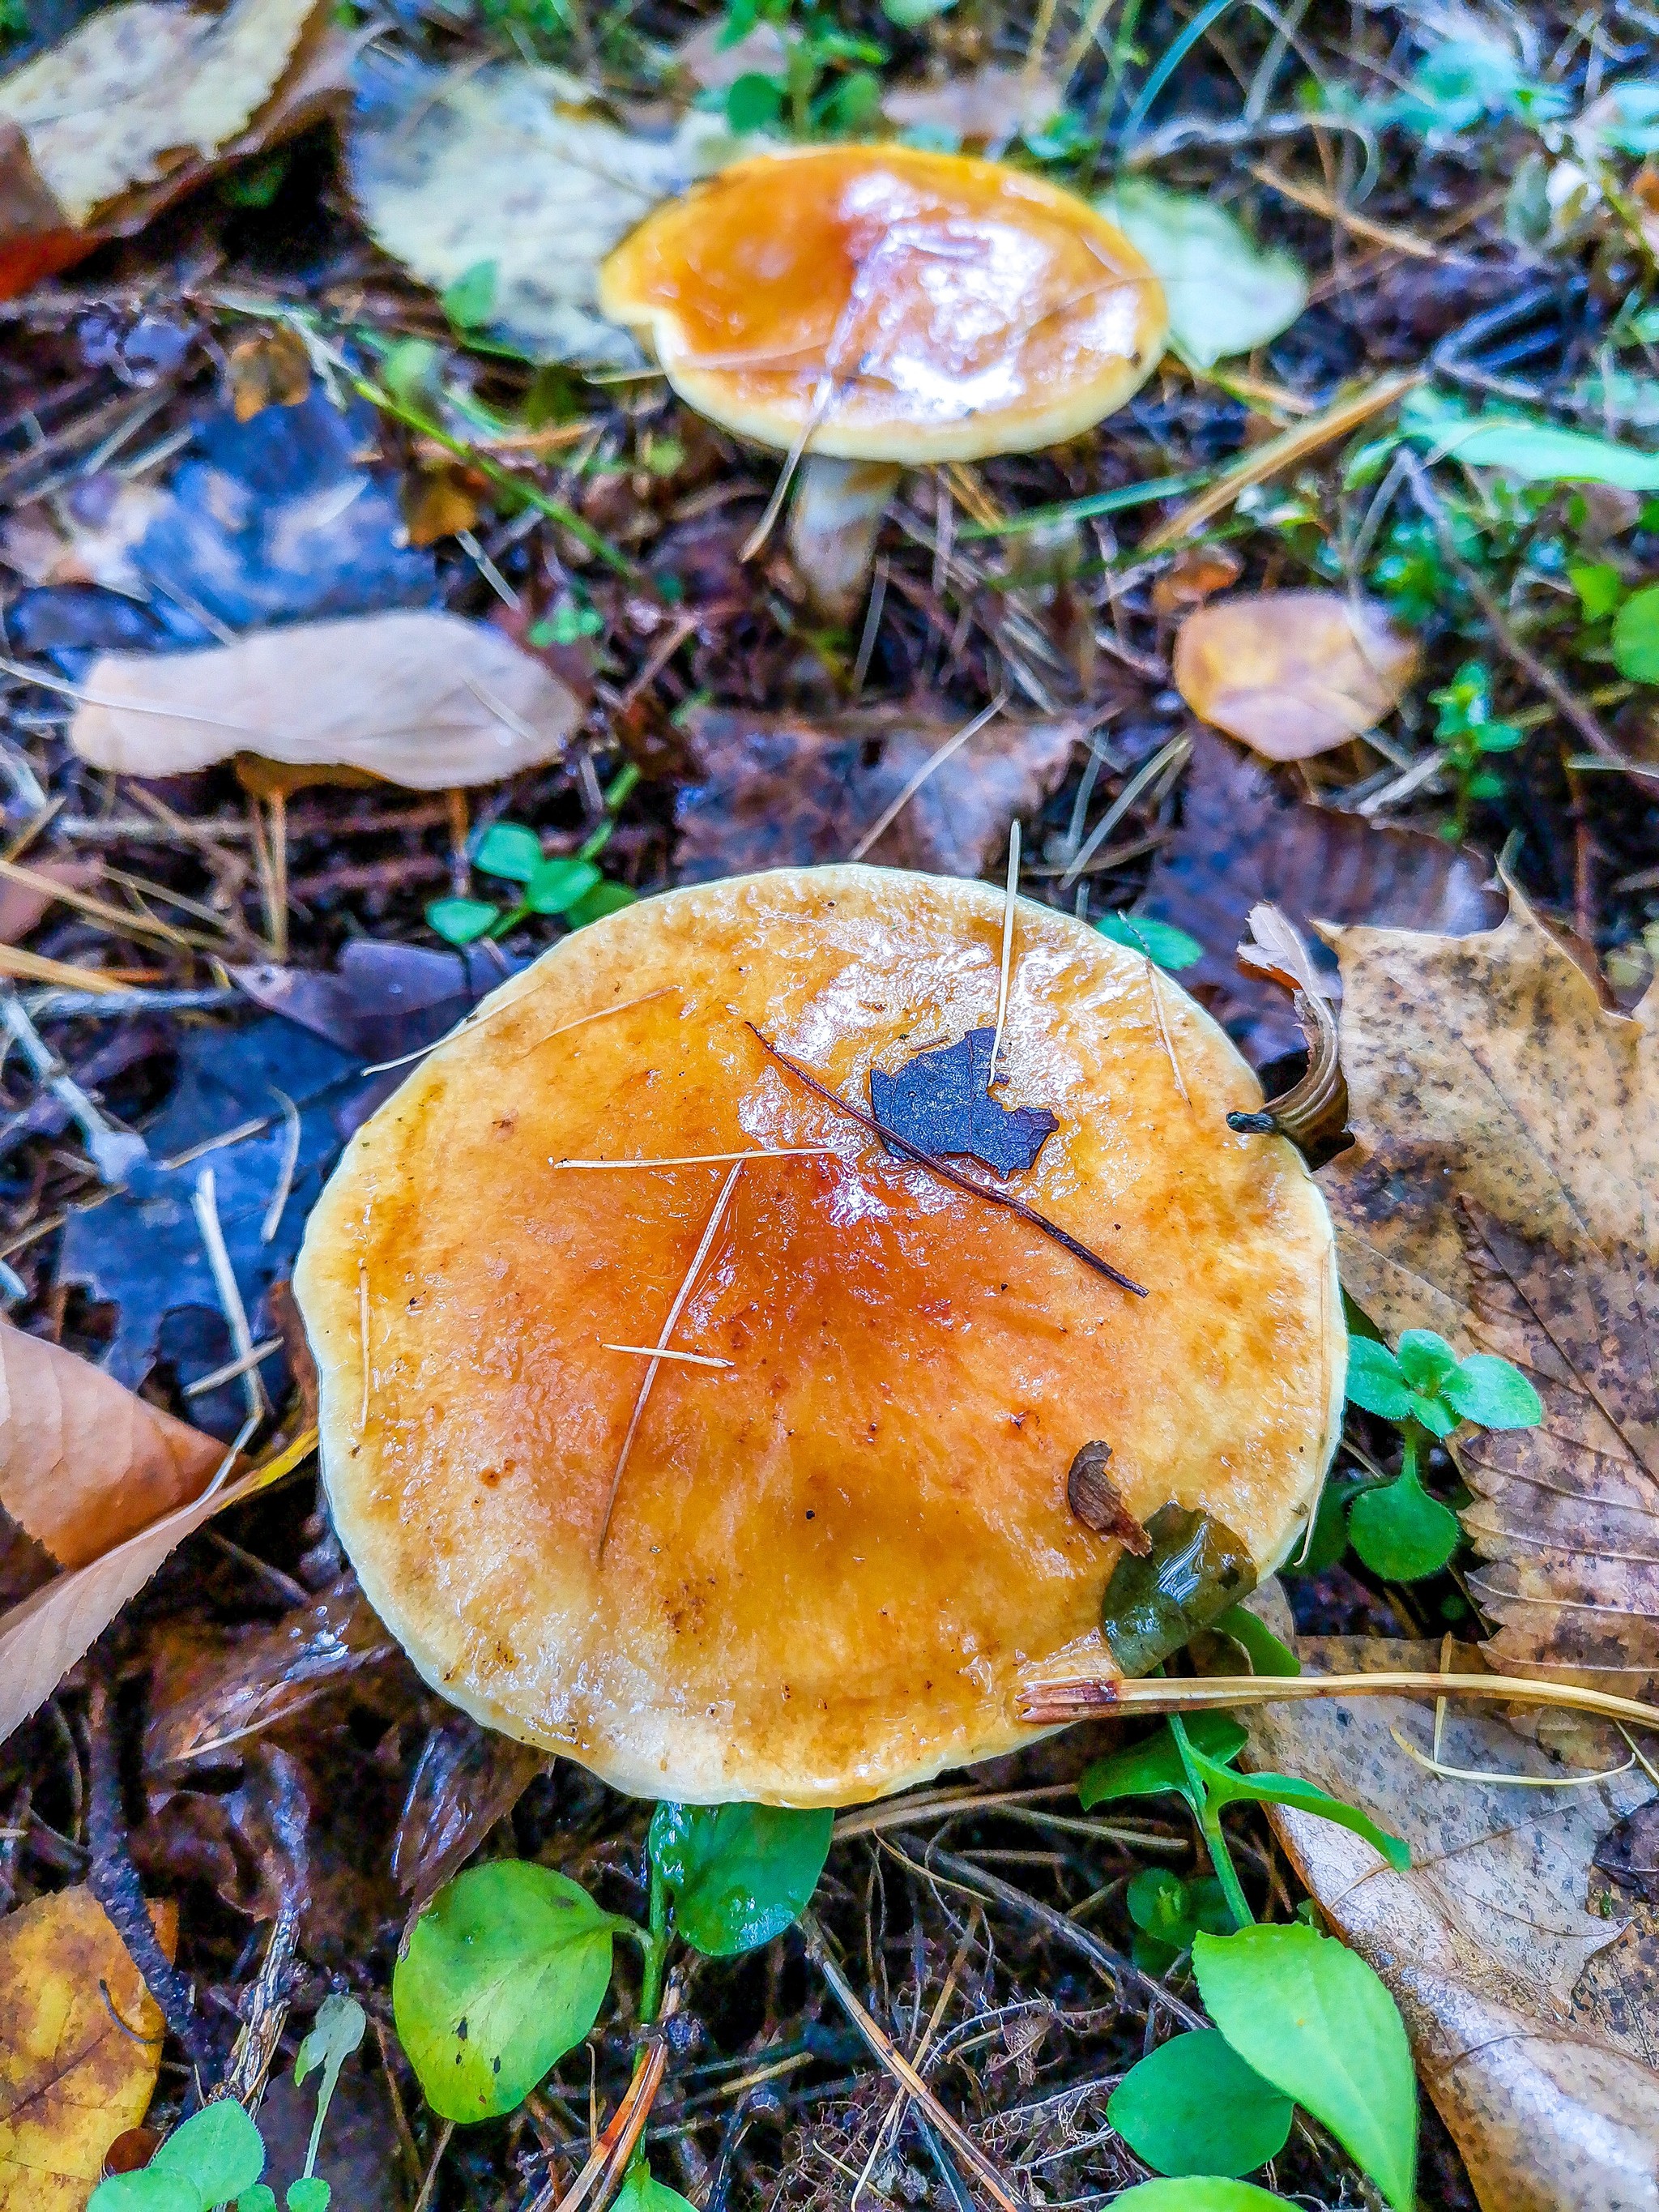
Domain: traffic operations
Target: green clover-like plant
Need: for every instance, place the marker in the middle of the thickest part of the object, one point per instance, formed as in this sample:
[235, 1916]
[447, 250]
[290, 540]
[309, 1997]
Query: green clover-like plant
[216, 2157]
[1398, 1529]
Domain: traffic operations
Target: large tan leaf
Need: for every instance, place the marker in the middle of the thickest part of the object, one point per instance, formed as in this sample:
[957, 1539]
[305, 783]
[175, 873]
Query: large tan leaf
[1531, 2017]
[137, 90]
[516, 167]
[423, 699]
[1292, 673]
[84, 1464]
[1503, 1190]
[79, 2044]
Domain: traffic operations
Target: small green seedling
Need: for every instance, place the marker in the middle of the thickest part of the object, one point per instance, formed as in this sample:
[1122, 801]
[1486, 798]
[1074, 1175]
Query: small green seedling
[828, 84]
[1161, 941]
[1468, 734]
[506, 1969]
[570, 885]
[1398, 1530]
[217, 2155]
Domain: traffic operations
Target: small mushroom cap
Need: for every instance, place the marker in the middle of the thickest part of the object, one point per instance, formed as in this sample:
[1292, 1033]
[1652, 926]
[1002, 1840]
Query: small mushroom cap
[901, 305]
[831, 1561]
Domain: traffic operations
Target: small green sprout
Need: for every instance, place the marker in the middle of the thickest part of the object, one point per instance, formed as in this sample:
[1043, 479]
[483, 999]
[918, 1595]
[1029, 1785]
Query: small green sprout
[1467, 734]
[569, 885]
[1397, 1528]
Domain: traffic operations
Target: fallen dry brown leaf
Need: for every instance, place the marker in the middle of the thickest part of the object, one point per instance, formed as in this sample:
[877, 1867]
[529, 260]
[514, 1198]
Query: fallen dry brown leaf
[1292, 673]
[1501, 1190]
[983, 107]
[420, 698]
[1531, 2016]
[79, 2044]
[771, 791]
[138, 104]
[1241, 844]
[84, 1464]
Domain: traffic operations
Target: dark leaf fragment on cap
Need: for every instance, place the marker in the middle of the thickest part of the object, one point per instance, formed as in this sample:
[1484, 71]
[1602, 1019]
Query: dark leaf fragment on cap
[941, 1100]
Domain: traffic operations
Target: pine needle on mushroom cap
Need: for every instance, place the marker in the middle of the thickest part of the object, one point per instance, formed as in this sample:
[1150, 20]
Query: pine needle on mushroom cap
[830, 1561]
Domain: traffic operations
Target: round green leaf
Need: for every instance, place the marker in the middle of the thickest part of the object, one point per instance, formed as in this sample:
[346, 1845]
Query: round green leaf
[558, 885]
[1490, 1392]
[1425, 1359]
[1147, 1770]
[739, 1873]
[1196, 2194]
[1312, 2019]
[505, 1972]
[1194, 2106]
[146, 2191]
[218, 2149]
[641, 2192]
[1401, 1532]
[1375, 1380]
[603, 899]
[1160, 941]
[507, 849]
[1226, 294]
[262, 2197]
[753, 102]
[1635, 636]
[459, 920]
[309, 2194]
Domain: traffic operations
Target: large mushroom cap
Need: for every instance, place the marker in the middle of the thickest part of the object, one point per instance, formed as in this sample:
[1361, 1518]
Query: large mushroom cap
[899, 306]
[831, 1559]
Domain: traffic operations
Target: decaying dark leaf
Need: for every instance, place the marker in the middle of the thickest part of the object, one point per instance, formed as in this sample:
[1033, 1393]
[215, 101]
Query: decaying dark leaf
[1499, 1190]
[467, 1779]
[1240, 844]
[1191, 1569]
[941, 1101]
[1630, 1851]
[1093, 1497]
[773, 791]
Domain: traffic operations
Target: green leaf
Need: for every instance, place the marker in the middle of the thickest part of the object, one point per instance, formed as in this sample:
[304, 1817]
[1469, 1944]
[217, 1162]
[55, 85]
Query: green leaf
[1375, 1383]
[470, 300]
[1194, 2106]
[1226, 295]
[739, 1873]
[1149, 1768]
[1196, 2195]
[1311, 2017]
[218, 2149]
[558, 885]
[907, 14]
[642, 2192]
[603, 899]
[1401, 1532]
[1171, 1911]
[1600, 588]
[1226, 1788]
[505, 1972]
[1455, 85]
[1635, 636]
[335, 2032]
[1488, 1391]
[753, 102]
[1266, 1655]
[1525, 446]
[507, 849]
[1425, 1359]
[262, 2197]
[147, 2192]
[1195, 1570]
[459, 920]
[310, 2193]
[1161, 941]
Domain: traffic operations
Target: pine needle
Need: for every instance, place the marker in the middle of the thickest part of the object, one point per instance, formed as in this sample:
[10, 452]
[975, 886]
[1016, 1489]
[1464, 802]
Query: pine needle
[1008, 905]
[661, 1351]
[705, 1159]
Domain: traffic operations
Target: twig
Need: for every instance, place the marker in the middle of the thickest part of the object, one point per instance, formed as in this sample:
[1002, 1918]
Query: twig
[113, 1880]
[430, 2182]
[949, 1174]
[889, 2055]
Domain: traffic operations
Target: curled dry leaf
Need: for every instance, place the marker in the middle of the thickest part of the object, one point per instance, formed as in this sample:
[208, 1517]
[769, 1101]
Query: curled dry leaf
[1239, 842]
[1500, 1190]
[423, 699]
[1292, 673]
[520, 173]
[1314, 1109]
[773, 790]
[138, 104]
[84, 1464]
[1531, 2017]
[79, 2044]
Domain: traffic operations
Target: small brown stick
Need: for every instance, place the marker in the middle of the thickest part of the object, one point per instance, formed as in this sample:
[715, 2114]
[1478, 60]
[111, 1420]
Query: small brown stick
[889, 2054]
[113, 1880]
[1079, 1696]
[949, 1175]
[609, 2160]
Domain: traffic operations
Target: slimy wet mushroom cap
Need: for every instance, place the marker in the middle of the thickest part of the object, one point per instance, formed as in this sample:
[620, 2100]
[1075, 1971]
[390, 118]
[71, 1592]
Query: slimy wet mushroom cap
[737, 1467]
[888, 304]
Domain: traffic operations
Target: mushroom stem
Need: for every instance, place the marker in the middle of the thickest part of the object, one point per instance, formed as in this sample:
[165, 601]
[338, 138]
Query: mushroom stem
[833, 524]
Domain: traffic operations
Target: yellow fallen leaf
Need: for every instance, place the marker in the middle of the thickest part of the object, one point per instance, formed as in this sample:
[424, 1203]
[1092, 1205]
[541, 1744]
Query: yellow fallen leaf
[77, 2067]
[420, 698]
[1292, 673]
